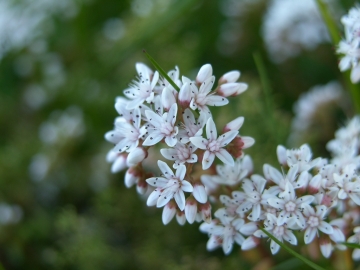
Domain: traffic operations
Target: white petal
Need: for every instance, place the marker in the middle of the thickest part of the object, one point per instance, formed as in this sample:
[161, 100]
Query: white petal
[239, 239]
[208, 159]
[204, 73]
[326, 227]
[180, 199]
[186, 186]
[281, 154]
[211, 132]
[355, 74]
[248, 141]
[259, 182]
[200, 194]
[154, 79]
[307, 199]
[165, 169]
[276, 203]
[199, 142]
[153, 197]
[169, 153]
[227, 244]
[225, 157]
[154, 118]
[180, 218]
[355, 197]
[206, 86]
[227, 137]
[215, 100]
[171, 117]
[274, 247]
[309, 235]
[119, 164]
[249, 243]
[171, 140]
[326, 249]
[248, 228]
[153, 138]
[157, 181]
[164, 198]
[235, 124]
[290, 237]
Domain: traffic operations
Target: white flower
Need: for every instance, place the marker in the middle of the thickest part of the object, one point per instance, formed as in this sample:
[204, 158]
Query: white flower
[278, 229]
[213, 145]
[224, 233]
[290, 206]
[253, 191]
[170, 186]
[227, 175]
[314, 222]
[302, 157]
[191, 127]
[126, 135]
[142, 90]
[181, 154]
[348, 184]
[201, 98]
[162, 127]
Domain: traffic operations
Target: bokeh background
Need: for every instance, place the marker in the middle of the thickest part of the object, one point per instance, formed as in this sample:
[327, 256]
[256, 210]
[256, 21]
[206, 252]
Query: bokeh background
[63, 63]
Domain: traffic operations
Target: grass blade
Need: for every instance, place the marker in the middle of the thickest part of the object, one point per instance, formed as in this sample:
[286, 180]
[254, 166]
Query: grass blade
[161, 71]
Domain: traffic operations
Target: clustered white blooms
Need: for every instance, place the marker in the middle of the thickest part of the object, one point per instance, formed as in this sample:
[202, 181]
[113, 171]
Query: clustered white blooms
[321, 198]
[318, 197]
[155, 115]
[349, 46]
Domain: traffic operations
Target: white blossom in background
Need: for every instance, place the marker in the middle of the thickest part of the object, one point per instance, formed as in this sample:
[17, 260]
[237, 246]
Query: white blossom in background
[349, 47]
[310, 105]
[290, 26]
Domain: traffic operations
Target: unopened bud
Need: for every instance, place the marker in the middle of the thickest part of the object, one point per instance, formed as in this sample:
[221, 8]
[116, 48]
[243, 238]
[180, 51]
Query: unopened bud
[325, 246]
[190, 209]
[167, 98]
[315, 184]
[136, 156]
[185, 95]
[231, 89]
[205, 210]
[230, 77]
[281, 155]
[169, 212]
[235, 124]
[204, 73]
[180, 218]
[132, 176]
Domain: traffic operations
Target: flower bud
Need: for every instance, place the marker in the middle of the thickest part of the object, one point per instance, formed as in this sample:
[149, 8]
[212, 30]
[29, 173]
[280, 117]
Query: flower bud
[205, 211]
[204, 73]
[190, 209]
[185, 95]
[325, 246]
[141, 187]
[235, 124]
[167, 98]
[281, 155]
[315, 184]
[136, 156]
[180, 217]
[169, 212]
[231, 89]
[132, 176]
[230, 77]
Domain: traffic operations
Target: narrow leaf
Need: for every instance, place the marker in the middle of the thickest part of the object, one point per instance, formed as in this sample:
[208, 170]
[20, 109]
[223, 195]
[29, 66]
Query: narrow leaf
[350, 245]
[161, 71]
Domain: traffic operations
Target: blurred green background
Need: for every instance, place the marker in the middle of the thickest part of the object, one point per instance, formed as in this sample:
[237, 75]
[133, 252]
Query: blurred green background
[63, 63]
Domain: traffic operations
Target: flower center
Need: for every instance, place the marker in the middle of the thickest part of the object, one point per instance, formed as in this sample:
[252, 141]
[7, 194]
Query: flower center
[278, 231]
[313, 221]
[213, 146]
[166, 128]
[290, 206]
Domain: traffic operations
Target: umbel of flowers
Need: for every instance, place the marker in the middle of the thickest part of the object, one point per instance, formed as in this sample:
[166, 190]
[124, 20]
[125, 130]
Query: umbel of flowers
[180, 126]
[318, 197]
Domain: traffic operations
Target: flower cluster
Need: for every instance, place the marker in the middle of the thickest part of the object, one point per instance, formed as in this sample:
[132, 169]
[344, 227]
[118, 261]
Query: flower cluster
[350, 46]
[320, 198]
[175, 116]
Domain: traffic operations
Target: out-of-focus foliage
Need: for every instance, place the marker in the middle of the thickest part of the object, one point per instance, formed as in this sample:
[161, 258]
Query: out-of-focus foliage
[62, 65]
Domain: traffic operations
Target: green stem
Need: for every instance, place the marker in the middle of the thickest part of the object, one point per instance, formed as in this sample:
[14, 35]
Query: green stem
[269, 104]
[161, 71]
[292, 252]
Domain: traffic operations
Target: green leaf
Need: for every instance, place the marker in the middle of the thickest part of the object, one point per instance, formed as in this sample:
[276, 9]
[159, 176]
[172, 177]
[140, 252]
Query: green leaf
[161, 71]
[292, 252]
[350, 245]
